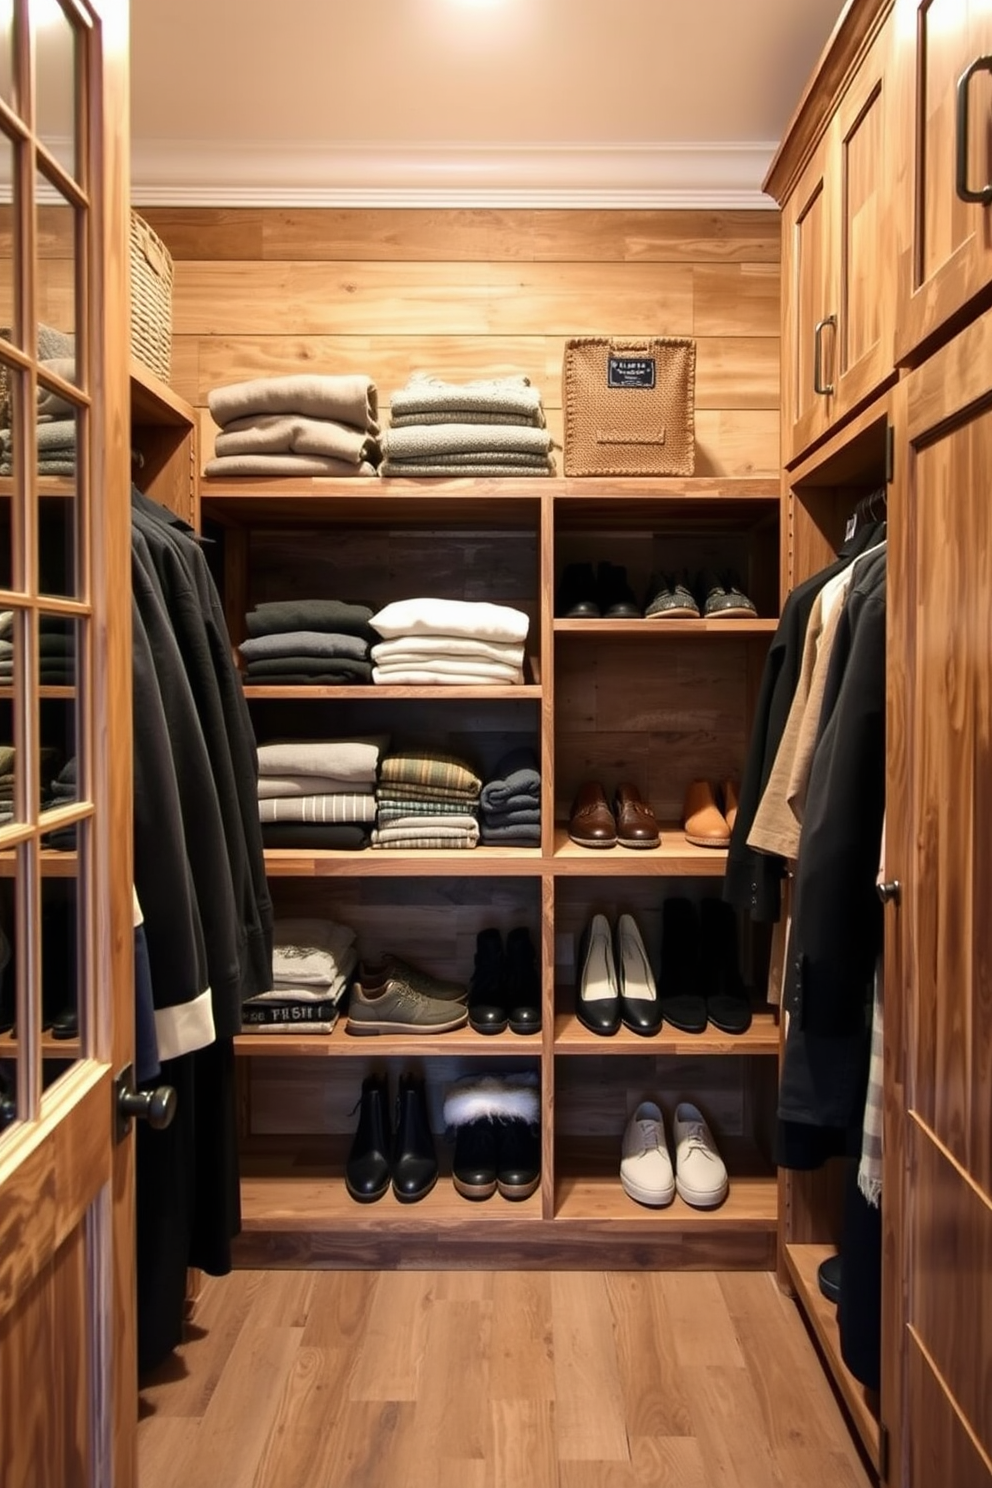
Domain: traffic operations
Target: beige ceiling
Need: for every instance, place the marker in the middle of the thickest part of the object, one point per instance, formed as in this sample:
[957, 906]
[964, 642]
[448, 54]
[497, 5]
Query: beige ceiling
[318, 99]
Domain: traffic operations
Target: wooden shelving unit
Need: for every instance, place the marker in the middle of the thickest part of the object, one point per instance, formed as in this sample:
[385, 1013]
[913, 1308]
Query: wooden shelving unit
[572, 1037]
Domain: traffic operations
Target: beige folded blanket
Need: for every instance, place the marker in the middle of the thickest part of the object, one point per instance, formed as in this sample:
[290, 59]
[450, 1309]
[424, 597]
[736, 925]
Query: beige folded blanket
[285, 433]
[273, 465]
[407, 648]
[348, 399]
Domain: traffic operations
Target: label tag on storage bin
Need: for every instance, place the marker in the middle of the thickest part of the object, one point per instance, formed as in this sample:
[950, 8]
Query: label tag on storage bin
[631, 372]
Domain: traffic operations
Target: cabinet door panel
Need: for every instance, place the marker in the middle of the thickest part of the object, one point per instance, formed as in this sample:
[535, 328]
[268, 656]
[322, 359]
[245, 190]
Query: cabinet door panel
[808, 284]
[945, 252]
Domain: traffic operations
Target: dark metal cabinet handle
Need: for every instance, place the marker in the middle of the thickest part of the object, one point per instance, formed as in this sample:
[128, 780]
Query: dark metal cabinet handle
[890, 892]
[819, 386]
[157, 1106]
[984, 193]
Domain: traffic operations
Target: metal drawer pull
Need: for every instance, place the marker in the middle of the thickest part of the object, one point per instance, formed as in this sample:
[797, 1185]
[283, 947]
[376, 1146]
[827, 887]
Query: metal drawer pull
[984, 193]
[818, 384]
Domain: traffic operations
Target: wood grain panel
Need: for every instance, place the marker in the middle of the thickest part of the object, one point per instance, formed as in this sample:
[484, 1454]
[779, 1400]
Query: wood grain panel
[595, 1096]
[945, 1451]
[456, 299]
[863, 210]
[317, 234]
[736, 300]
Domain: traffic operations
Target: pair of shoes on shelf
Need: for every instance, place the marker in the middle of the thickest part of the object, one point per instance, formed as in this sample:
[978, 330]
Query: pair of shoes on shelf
[629, 822]
[505, 989]
[496, 1120]
[714, 596]
[709, 812]
[616, 982]
[646, 1173]
[585, 593]
[700, 980]
[405, 1157]
[395, 996]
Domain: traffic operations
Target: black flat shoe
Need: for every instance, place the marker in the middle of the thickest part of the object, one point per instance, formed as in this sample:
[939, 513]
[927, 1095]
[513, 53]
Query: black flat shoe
[366, 1173]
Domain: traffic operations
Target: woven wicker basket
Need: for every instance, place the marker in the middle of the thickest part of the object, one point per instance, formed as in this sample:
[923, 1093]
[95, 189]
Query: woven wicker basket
[629, 406]
[151, 298]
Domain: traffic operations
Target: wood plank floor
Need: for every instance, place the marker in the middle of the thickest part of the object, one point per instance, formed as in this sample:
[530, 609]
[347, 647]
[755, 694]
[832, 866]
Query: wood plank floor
[457, 1379]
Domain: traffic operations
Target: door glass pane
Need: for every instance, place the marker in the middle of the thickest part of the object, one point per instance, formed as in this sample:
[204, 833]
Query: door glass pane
[57, 642]
[55, 83]
[10, 517]
[8, 937]
[56, 273]
[60, 990]
[8, 238]
[7, 53]
[10, 671]
[58, 512]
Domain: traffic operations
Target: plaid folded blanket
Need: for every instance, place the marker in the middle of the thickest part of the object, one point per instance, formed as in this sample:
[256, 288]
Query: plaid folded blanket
[420, 767]
[398, 791]
[392, 806]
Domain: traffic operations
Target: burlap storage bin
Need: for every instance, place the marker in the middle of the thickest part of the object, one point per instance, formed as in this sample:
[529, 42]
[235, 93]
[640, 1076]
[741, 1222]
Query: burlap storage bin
[151, 298]
[629, 406]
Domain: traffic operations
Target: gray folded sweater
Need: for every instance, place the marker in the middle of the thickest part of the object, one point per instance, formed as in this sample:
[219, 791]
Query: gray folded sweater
[434, 441]
[424, 394]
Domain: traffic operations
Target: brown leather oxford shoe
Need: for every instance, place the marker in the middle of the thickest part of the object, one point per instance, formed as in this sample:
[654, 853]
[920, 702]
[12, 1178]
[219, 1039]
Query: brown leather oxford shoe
[637, 825]
[591, 823]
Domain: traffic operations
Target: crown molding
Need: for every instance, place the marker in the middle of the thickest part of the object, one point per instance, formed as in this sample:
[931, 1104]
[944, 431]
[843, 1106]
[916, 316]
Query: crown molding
[205, 173]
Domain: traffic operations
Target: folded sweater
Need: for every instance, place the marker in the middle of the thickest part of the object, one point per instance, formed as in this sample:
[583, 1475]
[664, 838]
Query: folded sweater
[279, 616]
[347, 759]
[292, 433]
[424, 394]
[337, 808]
[451, 617]
[305, 643]
[349, 398]
[435, 441]
[286, 464]
[406, 648]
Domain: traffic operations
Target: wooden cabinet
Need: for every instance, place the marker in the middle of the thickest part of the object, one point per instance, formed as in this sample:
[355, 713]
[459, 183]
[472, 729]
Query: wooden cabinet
[838, 307]
[636, 699]
[943, 62]
[938, 1142]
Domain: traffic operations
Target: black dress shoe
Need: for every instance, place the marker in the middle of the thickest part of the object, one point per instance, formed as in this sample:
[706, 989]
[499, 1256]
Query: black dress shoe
[682, 1002]
[487, 1012]
[518, 1163]
[414, 1157]
[597, 1001]
[65, 1025]
[640, 1009]
[366, 1172]
[828, 1278]
[728, 1005]
[523, 982]
[473, 1168]
[616, 598]
[578, 593]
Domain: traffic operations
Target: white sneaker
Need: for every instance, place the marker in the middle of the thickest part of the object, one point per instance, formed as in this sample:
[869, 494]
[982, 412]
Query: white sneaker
[645, 1166]
[701, 1178]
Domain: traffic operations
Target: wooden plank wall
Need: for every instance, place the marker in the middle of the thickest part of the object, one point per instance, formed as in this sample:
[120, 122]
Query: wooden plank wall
[482, 292]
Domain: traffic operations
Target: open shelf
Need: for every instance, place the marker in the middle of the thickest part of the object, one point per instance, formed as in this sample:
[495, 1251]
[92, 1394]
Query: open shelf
[572, 1037]
[802, 1263]
[675, 858]
[587, 1186]
[384, 693]
[338, 1043]
[54, 864]
[683, 628]
[51, 1048]
[372, 862]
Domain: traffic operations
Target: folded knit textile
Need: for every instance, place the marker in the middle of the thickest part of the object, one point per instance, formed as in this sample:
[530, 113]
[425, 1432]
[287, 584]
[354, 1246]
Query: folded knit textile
[336, 616]
[308, 669]
[455, 665]
[305, 643]
[310, 785]
[403, 791]
[52, 405]
[490, 441]
[431, 396]
[340, 807]
[315, 836]
[285, 464]
[420, 767]
[308, 948]
[476, 470]
[479, 619]
[348, 399]
[293, 433]
[423, 676]
[388, 811]
[491, 835]
[405, 839]
[346, 759]
[406, 648]
[515, 776]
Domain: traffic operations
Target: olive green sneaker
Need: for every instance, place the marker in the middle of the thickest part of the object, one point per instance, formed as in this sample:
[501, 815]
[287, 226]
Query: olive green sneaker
[396, 1007]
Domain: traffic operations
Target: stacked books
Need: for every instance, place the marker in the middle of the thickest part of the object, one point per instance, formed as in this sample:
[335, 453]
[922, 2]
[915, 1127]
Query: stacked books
[312, 961]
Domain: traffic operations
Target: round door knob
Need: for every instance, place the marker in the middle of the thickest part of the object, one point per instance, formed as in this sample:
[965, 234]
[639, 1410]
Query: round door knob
[157, 1107]
[890, 892]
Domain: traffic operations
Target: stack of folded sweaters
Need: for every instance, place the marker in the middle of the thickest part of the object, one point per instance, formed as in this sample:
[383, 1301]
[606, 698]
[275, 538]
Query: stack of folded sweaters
[312, 961]
[426, 799]
[306, 424]
[308, 641]
[64, 789]
[318, 794]
[47, 760]
[460, 643]
[6, 783]
[491, 427]
[56, 650]
[55, 417]
[511, 802]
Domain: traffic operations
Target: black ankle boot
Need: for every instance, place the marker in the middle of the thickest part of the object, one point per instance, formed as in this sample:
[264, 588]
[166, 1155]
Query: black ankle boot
[616, 597]
[366, 1173]
[728, 1005]
[523, 983]
[414, 1157]
[679, 986]
[473, 1168]
[518, 1160]
[487, 989]
[578, 595]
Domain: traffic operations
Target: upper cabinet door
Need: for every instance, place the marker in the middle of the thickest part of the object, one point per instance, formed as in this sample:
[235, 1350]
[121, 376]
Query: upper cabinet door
[838, 299]
[943, 63]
